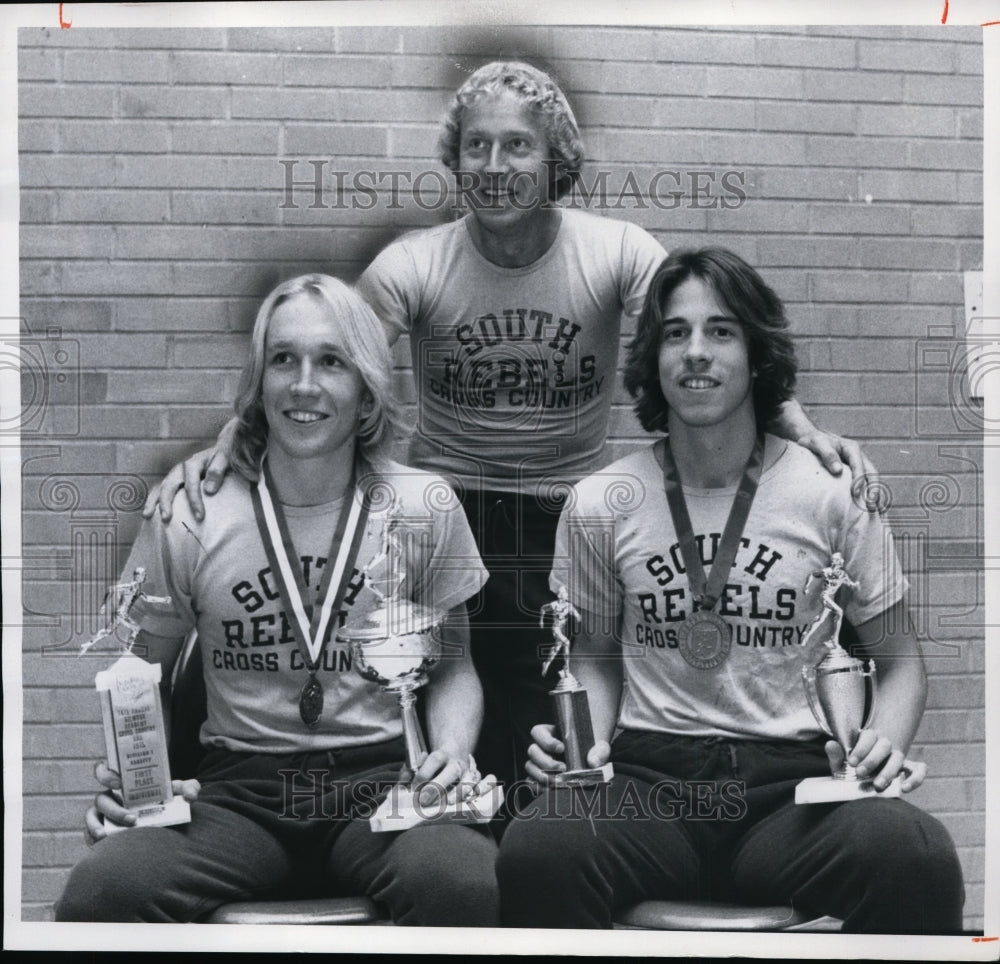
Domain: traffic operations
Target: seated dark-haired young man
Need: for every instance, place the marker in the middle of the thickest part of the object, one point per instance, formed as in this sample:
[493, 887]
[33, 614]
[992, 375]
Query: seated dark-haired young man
[695, 678]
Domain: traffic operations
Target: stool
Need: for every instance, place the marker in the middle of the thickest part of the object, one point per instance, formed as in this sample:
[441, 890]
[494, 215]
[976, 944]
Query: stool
[323, 910]
[680, 915]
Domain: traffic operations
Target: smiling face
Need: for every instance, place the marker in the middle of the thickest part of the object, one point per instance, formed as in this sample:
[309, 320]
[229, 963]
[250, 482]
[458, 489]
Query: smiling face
[503, 164]
[312, 394]
[704, 362]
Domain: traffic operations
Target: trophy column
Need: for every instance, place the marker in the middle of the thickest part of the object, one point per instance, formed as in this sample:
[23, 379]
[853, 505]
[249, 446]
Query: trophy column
[136, 743]
[572, 707]
[134, 728]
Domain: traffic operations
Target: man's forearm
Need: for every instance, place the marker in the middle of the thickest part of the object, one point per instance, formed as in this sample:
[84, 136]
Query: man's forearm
[901, 678]
[900, 700]
[791, 422]
[454, 695]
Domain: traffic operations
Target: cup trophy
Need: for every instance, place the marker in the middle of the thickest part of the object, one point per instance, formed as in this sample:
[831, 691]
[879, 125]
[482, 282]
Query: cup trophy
[395, 646]
[841, 693]
[134, 730]
[574, 727]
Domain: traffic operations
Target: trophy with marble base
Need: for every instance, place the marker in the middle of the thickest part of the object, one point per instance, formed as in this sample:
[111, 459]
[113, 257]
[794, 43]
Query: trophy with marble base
[839, 689]
[132, 713]
[569, 697]
[396, 646]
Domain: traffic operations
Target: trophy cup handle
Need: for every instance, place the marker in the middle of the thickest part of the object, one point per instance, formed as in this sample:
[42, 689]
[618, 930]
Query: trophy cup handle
[869, 675]
[809, 678]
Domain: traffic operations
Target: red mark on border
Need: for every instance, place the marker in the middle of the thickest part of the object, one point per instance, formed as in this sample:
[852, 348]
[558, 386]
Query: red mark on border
[944, 16]
[66, 24]
[991, 23]
[980, 940]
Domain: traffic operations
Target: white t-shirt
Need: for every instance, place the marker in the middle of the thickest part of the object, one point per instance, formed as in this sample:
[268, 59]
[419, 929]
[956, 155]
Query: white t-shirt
[617, 554]
[515, 367]
[220, 582]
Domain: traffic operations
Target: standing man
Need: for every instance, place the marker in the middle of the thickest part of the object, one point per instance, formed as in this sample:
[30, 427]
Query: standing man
[514, 317]
[687, 560]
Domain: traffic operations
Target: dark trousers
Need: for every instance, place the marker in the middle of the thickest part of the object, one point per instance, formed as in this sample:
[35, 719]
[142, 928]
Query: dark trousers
[516, 538]
[689, 819]
[276, 827]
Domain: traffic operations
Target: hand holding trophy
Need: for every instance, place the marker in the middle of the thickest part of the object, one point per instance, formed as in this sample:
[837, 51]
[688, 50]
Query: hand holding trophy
[396, 645]
[134, 729]
[839, 689]
[574, 729]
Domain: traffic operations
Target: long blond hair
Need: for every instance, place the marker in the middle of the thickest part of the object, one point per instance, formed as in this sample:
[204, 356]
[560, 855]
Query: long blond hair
[366, 348]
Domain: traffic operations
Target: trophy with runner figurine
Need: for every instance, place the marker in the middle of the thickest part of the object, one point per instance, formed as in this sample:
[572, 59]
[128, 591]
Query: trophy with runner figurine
[841, 693]
[569, 697]
[396, 645]
[134, 729]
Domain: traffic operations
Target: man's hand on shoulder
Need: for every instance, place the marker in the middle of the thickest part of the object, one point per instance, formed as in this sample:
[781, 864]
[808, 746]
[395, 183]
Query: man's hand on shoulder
[210, 464]
[834, 451]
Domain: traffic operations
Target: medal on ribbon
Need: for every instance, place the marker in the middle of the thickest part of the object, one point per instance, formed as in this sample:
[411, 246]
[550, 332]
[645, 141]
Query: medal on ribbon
[704, 638]
[310, 623]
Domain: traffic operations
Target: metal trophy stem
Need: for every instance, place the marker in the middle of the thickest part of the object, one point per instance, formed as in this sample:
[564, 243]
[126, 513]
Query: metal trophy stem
[413, 735]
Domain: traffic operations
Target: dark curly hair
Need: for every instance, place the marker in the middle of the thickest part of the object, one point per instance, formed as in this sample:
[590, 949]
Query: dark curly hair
[542, 95]
[752, 302]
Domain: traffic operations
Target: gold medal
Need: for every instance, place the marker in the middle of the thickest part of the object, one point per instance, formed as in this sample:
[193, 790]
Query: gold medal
[311, 701]
[704, 639]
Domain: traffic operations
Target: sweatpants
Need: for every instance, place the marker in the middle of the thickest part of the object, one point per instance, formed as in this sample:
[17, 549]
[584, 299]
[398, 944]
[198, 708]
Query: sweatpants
[695, 819]
[276, 827]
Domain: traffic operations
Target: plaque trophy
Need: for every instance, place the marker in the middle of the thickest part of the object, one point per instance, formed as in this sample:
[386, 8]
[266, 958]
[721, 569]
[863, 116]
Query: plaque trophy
[575, 729]
[838, 689]
[395, 646]
[134, 729]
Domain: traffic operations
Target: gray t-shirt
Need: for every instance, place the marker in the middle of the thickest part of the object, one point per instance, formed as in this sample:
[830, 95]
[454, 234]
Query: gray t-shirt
[220, 582]
[515, 367]
[618, 555]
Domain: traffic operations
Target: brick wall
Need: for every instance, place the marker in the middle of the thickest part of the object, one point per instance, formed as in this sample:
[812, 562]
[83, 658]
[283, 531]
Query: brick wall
[155, 214]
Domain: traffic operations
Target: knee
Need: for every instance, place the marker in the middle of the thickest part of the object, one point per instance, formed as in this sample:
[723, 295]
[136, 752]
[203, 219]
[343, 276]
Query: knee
[540, 856]
[902, 837]
[525, 855]
[445, 879]
[102, 887]
[901, 849]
